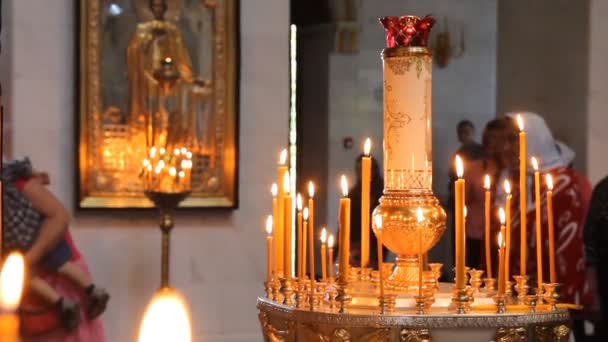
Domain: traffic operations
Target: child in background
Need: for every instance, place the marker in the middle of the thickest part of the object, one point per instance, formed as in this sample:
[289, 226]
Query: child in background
[23, 219]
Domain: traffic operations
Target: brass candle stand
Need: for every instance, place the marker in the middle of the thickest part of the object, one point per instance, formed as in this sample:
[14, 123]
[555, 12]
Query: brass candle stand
[343, 298]
[521, 287]
[475, 279]
[461, 300]
[300, 292]
[287, 290]
[166, 202]
[436, 269]
[551, 295]
[499, 299]
[490, 286]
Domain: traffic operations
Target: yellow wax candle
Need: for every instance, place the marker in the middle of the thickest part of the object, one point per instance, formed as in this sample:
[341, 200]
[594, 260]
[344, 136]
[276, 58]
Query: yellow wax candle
[459, 231]
[11, 287]
[539, 242]
[330, 248]
[366, 172]
[523, 204]
[344, 219]
[378, 224]
[486, 185]
[420, 218]
[311, 206]
[549, 180]
[287, 250]
[280, 219]
[300, 232]
[269, 249]
[324, 254]
[507, 187]
[305, 247]
[277, 235]
[311, 247]
[501, 254]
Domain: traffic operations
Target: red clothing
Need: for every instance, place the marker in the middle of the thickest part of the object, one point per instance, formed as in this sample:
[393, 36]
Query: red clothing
[570, 204]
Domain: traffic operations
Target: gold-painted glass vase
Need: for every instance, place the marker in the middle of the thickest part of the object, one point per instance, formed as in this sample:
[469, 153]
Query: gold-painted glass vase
[407, 64]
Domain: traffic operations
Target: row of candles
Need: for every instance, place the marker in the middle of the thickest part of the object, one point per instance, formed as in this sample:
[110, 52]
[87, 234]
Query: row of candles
[167, 171]
[504, 237]
[278, 226]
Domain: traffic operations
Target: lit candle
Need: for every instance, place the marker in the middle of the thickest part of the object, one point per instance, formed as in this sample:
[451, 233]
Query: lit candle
[311, 206]
[549, 180]
[311, 247]
[269, 249]
[507, 187]
[523, 204]
[324, 254]
[378, 230]
[11, 287]
[287, 226]
[539, 243]
[167, 318]
[420, 218]
[330, 248]
[460, 233]
[280, 218]
[278, 235]
[300, 234]
[486, 185]
[344, 219]
[366, 171]
[501, 254]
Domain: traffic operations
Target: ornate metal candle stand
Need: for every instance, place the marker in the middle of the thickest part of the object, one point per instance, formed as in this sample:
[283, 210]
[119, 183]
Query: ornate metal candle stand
[166, 202]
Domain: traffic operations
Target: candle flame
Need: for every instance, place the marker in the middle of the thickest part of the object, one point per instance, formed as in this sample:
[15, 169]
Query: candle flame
[189, 155]
[299, 201]
[311, 189]
[305, 213]
[520, 122]
[344, 185]
[152, 151]
[459, 167]
[286, 186]
[501, 216]
[549, 181]
[161, 164]
[323, 235]
[274, 189]
[486, 182]
[269, 224]
[534, 164]
[146, 162]
[181, 174]
[168, 60]
[11, 281]
[330, 242]
[166, 319]
[184, 150]
[378, 221]
[420, 216]
[367, 147]
[162, 151]
[464, 211]
[507, 186]
[499, 239]
[283, 157]
[176, 151]
[172, 171]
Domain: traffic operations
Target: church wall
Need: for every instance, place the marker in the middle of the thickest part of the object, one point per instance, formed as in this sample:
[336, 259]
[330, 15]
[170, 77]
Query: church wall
[218, 257]
[597, 99]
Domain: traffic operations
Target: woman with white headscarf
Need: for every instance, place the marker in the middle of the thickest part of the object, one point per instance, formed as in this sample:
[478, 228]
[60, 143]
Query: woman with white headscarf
[570, 202]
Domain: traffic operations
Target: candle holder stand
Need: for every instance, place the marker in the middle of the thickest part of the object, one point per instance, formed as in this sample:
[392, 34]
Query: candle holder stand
[320, 293]
[499, 299]
[287, 290]
[428, 288]
[366, 274]
[475, 279]
[552, 295]
[300, 292]
[420, 304]
[354, 274]
[343, 298]
[509, 291]
[436, 269]
[530, 300]
[268, 289]
[276, 289]
[521, 287]
[166, 202]
[490, 286]
[460, 300]
[540, 293]
[331, 297]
